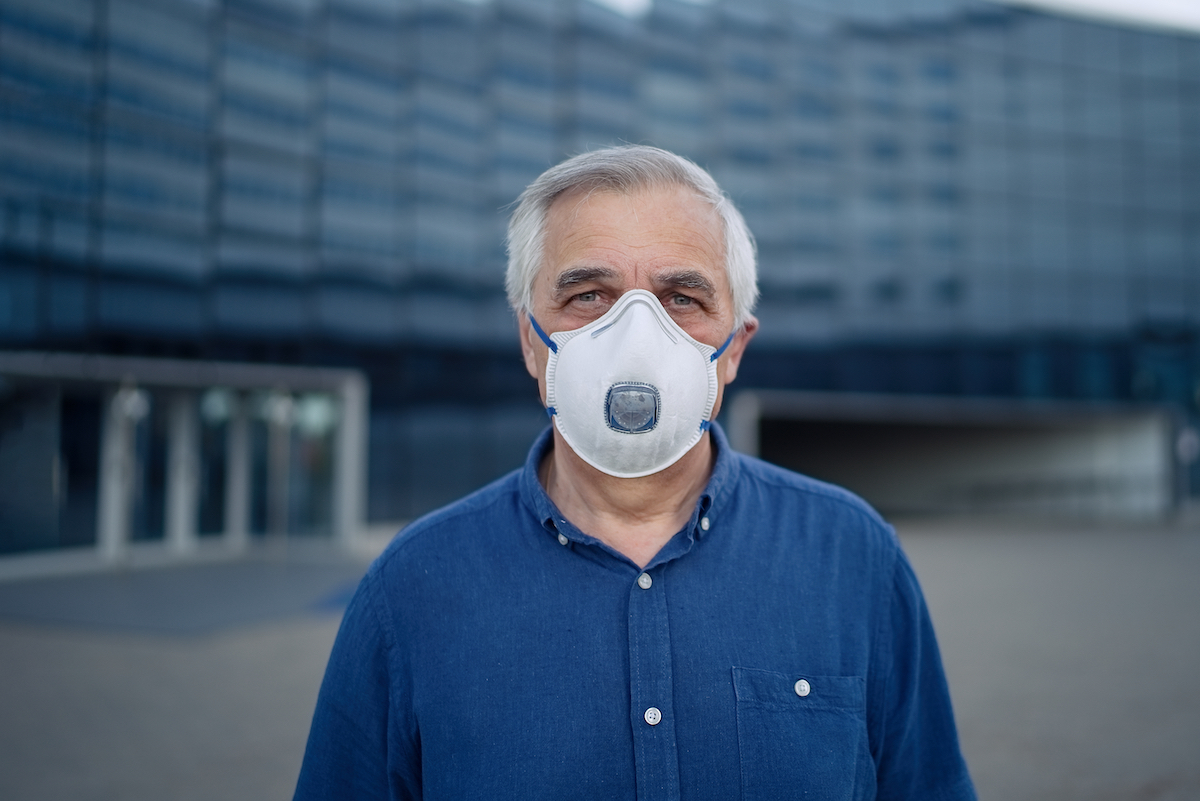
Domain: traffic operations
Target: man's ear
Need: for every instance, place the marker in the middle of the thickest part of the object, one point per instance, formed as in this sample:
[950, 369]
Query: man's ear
[529, 339]
[733, 354]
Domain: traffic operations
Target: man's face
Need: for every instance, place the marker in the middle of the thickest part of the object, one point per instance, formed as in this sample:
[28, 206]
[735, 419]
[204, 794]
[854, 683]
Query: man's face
[600, 245]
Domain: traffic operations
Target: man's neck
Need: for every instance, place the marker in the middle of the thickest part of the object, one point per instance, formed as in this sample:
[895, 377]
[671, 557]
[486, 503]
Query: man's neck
[635, 516]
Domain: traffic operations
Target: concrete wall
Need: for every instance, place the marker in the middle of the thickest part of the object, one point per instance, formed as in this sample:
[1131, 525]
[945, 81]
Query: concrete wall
[906, 454]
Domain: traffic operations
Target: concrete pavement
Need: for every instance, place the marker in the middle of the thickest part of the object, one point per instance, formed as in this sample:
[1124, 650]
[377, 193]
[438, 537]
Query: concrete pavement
[185, 683]
[1072, 652]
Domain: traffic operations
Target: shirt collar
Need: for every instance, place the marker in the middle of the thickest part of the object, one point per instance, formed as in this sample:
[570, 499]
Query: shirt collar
[709, 507]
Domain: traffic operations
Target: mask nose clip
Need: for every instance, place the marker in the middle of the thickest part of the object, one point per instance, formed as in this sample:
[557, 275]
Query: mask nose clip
[653, 307]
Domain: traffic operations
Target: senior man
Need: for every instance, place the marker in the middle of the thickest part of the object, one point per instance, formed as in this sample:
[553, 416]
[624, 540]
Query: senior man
[639, 612]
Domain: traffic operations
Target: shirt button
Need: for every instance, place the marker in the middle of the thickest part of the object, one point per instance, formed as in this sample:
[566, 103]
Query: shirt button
[562, 539]
[644, 581]
[803, 688]
[704, 523]
[653, 716]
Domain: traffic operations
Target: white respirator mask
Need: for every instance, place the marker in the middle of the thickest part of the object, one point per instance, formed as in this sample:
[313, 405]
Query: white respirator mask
[630, 392]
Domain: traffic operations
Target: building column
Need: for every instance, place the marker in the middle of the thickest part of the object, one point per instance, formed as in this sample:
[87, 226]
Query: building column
[279, 411]
[183, 473]
[122, 411]
[350, 463]
[237, 475]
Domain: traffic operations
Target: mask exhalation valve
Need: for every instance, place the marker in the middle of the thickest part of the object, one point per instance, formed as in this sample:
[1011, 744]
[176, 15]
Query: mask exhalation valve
[632, 408]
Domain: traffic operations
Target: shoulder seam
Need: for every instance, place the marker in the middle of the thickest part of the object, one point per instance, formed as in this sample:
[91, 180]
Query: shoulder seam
[818, 488]
[437, 518]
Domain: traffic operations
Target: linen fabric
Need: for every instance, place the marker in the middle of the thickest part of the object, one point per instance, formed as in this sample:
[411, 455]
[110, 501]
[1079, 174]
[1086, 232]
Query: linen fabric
[779, 644]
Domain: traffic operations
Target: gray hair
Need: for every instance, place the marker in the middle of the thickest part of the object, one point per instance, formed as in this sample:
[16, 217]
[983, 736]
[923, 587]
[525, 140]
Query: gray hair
[624, 169]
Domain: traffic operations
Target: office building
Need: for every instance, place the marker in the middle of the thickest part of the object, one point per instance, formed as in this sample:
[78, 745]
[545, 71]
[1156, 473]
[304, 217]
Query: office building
[950, 197]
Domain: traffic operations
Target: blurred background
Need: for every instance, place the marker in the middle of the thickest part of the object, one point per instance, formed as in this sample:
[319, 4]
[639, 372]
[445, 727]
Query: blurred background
[978, 228]
[956, 199]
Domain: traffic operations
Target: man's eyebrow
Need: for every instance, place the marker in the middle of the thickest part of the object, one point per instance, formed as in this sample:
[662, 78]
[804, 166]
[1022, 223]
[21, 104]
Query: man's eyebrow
[688, 279]
[581, 275]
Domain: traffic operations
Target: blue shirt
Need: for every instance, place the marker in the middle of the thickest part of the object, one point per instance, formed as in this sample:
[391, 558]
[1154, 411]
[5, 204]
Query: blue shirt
[777, 647]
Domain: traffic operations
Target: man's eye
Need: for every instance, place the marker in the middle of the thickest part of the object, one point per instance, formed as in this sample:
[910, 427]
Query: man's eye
[586, 297]
[681, 300]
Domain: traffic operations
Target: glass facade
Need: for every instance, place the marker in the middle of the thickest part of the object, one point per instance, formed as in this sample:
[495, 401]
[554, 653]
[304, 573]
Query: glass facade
[949, 196]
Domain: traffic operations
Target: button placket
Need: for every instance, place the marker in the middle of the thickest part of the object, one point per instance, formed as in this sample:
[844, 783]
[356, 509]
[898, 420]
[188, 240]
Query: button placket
[656, 759]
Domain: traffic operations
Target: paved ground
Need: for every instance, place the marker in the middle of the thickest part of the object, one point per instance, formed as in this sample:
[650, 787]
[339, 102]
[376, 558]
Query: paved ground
[173, 683]
[1073, 654]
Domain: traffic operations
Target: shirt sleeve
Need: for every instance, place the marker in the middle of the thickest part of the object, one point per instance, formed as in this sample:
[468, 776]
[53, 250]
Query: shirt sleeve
[359, 746]
[916, 751]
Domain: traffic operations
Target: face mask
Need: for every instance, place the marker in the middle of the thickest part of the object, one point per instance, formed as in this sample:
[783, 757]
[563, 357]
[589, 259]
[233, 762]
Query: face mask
[630, 392]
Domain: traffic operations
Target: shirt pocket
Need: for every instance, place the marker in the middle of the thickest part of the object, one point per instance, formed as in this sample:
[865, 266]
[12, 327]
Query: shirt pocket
[802, 736]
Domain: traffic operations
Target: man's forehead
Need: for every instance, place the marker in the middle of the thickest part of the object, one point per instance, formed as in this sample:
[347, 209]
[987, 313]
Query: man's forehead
[672, 235]
[666, 214]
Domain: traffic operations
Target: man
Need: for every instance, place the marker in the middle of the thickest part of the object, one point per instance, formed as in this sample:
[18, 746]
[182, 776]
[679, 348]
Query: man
[639, 612]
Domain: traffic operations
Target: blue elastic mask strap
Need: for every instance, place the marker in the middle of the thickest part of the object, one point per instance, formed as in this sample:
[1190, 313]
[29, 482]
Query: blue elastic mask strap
[551, 344]
[720, 350]
[705, 425]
